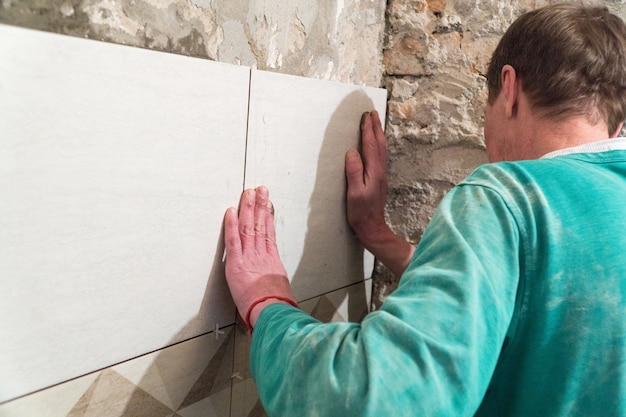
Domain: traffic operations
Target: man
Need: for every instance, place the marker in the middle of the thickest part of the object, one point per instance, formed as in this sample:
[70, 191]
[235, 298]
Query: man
[514, 302]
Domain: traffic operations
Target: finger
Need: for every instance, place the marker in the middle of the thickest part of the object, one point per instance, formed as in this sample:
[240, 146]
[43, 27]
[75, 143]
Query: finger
[369, 145]
[246, 220]
[354, 170]
[261, 214]
[270, 240]
[379, 134]
[374, 149]
[232, 240]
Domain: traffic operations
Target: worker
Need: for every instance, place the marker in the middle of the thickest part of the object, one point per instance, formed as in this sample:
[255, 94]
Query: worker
[514, 301]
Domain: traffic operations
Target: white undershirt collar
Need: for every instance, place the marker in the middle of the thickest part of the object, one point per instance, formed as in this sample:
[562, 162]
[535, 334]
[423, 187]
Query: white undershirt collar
[614, 144]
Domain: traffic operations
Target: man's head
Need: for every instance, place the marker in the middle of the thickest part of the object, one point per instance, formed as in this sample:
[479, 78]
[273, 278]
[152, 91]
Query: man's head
[571, 61]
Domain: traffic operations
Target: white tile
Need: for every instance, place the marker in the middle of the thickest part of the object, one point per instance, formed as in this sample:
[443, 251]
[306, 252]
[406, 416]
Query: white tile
[116, 166]
[299, 131]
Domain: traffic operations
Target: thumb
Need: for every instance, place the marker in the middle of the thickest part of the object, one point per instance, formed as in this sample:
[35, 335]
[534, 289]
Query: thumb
[232, 240]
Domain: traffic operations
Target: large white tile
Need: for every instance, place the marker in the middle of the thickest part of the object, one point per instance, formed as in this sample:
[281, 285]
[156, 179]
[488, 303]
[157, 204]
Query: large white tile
[116, 166]
[299, 131]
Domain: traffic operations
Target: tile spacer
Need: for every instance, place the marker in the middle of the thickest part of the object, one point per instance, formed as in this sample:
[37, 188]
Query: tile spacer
[218, 332]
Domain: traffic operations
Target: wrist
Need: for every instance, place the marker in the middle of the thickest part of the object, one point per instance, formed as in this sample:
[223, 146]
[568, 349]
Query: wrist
[254, 311]
[374, 236]
[391, 250]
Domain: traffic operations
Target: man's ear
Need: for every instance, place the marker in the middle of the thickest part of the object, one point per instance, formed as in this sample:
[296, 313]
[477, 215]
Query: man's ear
[619, 129]
[510, 90]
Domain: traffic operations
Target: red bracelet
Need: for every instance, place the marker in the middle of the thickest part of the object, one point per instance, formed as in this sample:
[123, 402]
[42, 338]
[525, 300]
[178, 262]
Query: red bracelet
[288, 300]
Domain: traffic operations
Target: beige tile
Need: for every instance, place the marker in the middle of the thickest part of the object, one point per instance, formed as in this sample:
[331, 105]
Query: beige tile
[245, 400]
[53, 402]
[113, 395]
[182, 380]
[347, 304]
[217, 405]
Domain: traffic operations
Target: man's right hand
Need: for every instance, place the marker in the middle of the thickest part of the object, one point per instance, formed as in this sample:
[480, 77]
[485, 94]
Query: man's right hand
[367, 192]
[367, 182]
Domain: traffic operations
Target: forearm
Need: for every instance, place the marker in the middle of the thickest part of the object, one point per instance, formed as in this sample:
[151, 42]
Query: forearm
[303, 367]
[406, 359]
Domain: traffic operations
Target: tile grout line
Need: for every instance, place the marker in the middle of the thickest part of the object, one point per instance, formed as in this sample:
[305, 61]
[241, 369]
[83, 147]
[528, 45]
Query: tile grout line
[336, 289]
[243, 187]
[245, 153]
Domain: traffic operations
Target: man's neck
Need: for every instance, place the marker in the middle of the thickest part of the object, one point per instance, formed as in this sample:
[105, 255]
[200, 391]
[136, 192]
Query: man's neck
[545, 136]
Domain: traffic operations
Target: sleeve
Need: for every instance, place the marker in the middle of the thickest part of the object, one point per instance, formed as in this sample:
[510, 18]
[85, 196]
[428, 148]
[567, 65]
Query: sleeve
[432, 347]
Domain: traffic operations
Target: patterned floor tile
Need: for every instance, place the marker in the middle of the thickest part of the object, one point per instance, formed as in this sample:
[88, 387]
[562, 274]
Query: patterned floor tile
[217, 405]
[113, 395]
[186, 372]
[189, 379]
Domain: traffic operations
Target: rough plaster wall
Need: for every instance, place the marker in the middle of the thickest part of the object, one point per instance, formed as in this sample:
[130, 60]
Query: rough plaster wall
[436, 53]
[338, 40]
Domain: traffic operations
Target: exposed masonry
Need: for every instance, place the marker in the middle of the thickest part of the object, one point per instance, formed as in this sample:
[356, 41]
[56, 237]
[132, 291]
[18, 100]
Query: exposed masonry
[431, 55]
[328, 40]
[435, 55]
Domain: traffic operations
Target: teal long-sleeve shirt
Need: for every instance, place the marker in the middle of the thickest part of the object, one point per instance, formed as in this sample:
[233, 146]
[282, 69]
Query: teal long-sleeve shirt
[513, 305]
